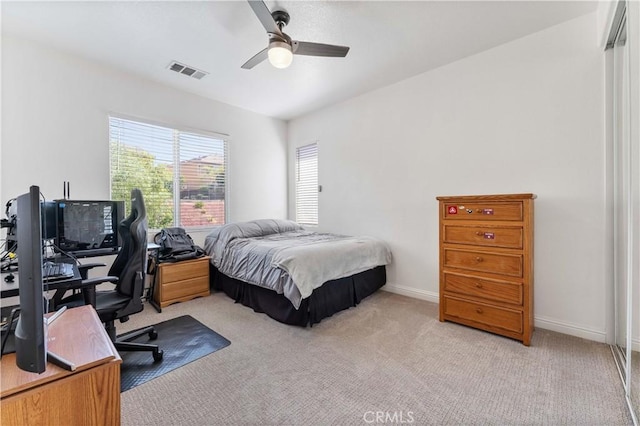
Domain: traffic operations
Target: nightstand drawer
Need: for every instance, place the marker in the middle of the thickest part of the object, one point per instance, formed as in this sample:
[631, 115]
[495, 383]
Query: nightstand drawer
[491, 262]
[179, 271]
[507, 237]
[483, 211]
[492, 316]
[500, 291]
[189, 288]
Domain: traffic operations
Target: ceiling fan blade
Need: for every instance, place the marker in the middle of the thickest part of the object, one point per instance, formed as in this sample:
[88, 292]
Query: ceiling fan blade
[264, 15]
[318, 49]
[257, 58]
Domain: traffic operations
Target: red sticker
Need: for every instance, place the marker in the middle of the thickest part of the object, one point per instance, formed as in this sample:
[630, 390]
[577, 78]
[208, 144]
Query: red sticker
[489, 236]
[487, 211]
[453, 210]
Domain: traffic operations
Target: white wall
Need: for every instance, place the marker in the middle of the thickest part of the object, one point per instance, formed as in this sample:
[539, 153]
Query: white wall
[55, 128]
[527, 116]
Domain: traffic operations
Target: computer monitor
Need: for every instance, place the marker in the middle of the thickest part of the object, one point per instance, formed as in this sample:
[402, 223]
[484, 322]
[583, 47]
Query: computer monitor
[48, 211]
[88, 227]
[30, 339]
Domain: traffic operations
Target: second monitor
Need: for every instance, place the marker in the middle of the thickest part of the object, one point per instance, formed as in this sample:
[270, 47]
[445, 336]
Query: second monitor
[88, 227]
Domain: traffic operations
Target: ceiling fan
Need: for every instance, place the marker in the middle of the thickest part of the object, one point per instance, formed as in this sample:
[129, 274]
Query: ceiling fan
[281, 48]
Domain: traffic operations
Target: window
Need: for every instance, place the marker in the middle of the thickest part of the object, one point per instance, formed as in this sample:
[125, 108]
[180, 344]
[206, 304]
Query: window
[307, 184]
[182, 175]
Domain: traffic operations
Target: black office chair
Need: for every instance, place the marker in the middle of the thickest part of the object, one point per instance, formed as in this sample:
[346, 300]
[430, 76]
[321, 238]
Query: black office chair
[128, 273]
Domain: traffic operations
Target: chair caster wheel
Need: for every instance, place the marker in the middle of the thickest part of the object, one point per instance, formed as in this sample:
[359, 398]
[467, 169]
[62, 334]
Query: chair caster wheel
[157, 355]
[153, 335]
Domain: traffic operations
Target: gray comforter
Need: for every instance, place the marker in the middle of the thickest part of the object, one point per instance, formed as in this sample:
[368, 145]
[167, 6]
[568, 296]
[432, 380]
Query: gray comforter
[282, 256]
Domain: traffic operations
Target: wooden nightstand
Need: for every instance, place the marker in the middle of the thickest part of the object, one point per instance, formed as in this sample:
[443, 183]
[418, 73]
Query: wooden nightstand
[182, 281]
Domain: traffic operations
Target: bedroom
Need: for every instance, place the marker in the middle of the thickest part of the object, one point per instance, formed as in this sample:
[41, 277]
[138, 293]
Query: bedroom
[529, 126]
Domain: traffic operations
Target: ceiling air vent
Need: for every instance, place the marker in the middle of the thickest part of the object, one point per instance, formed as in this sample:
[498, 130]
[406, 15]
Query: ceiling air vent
[186, 70]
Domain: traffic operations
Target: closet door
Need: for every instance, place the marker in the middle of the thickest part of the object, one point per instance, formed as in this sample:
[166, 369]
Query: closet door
[626, 199]
[621, 199]
[633, 43]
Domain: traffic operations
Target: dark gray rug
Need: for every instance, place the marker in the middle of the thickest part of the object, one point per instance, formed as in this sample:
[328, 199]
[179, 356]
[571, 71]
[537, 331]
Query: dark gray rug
[183, 339]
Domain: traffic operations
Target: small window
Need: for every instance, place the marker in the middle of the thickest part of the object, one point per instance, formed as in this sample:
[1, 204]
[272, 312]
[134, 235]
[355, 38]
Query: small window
[182, 175]
[307, 184]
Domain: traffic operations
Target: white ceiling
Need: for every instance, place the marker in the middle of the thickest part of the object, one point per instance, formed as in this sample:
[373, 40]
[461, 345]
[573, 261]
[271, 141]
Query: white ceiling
[390, 41]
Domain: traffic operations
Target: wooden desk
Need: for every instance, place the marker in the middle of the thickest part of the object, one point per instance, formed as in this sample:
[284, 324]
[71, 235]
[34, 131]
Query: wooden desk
[88, 396]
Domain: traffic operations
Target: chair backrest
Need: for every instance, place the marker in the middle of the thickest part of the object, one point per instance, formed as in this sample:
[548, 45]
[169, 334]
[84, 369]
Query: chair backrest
[130, 265]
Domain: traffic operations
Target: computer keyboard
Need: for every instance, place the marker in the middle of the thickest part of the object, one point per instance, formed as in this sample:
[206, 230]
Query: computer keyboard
[56, 271]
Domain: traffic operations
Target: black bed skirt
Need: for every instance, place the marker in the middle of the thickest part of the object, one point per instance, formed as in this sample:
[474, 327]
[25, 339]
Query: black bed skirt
[333, 296]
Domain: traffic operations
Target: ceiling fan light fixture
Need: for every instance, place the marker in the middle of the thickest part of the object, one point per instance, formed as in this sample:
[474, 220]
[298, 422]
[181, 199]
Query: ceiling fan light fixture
[281, 48]
[280, 54]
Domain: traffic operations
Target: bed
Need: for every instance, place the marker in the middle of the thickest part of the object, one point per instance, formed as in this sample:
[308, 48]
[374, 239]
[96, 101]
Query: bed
[294, 275]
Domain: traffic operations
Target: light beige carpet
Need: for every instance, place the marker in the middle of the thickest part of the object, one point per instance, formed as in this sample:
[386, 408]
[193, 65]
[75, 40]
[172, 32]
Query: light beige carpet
[389, 360]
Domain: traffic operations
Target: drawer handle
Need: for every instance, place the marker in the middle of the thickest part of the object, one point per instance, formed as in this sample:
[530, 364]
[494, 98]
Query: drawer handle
[479, 310]
[479, 259]
[478, 210]
[480, 234]
[479, 285]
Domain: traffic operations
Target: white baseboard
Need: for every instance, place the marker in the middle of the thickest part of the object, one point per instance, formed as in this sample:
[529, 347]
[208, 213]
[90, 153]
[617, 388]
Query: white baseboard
[539, 322]
[570, 329]
[412, 292]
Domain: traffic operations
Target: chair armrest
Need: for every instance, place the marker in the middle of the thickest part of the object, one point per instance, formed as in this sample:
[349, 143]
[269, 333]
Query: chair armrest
[92, 282]
[88, 288]
[83, 268]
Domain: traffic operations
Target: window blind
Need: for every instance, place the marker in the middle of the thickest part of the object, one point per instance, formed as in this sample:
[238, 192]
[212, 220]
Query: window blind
[182, 175]
[307, 184]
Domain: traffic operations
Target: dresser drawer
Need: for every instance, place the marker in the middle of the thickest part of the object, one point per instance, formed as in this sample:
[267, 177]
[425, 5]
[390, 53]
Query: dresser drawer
[507, 237]
[483, 211]
[179, 271]
[492, 262]
[492, 316]
[500, 291]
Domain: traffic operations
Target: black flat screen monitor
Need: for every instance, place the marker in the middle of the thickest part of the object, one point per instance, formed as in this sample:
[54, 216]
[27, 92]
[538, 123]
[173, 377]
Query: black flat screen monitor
[88, 227]
[49, 225]
[30, 343]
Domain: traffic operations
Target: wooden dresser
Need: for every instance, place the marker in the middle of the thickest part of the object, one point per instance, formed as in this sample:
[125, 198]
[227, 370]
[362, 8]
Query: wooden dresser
[486, 263]
[182, 281]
